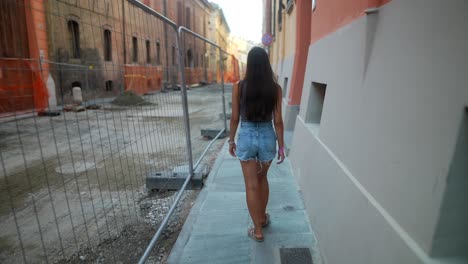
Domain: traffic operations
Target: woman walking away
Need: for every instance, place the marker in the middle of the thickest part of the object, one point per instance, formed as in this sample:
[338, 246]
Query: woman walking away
[256, 101]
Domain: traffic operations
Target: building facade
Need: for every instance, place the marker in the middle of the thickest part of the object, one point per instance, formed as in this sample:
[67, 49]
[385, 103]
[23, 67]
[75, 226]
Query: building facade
[240, 48]
[280, 22]
[379, 143]
[104, 35]
[219, 32]
[104, 47]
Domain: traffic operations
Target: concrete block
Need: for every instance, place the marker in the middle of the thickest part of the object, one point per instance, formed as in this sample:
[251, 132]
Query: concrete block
[211, 133]
[74, 108]
[48, 113]
[175, 179]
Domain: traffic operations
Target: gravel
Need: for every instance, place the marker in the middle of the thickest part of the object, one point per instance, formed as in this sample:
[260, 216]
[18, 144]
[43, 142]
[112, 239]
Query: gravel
[129, 245]
[129, 98]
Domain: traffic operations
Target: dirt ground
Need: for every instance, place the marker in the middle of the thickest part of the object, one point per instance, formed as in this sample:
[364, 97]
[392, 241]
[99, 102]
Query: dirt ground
[72, 186]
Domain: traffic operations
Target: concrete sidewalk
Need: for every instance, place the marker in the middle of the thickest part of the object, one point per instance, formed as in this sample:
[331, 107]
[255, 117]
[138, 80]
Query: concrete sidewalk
[216, 229]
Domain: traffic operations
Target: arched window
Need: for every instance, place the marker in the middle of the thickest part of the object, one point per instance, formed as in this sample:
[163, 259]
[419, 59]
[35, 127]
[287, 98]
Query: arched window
[158, 53]
[187, 18]
[107, 45]
[135, 49]
[109, 85]
[74, 35]
[76, 84]
[189, 58]
[148, 52]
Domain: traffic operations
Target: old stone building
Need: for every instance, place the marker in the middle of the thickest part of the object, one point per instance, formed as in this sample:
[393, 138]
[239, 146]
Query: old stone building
[106, 46]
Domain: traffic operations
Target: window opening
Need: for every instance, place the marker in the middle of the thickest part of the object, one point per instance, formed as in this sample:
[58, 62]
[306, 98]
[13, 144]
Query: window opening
[135, 49]
[189, 58]
[315, 103]
[109, 85]
[107, 45]
[285, 87]
[158, 53]
[74, 32]
[148, 52]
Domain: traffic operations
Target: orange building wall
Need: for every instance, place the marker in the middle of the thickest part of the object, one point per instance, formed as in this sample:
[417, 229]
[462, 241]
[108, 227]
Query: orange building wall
[328, 17]
[38, 36]
[303, 9]
[143, 79]
[25, 90]
[331, 15]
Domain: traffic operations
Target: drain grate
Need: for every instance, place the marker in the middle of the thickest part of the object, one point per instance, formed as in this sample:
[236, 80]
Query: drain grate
[295, 256]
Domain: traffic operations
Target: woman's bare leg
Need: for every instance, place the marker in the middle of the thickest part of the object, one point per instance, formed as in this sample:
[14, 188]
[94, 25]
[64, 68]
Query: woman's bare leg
[254, 199]
[264, 188]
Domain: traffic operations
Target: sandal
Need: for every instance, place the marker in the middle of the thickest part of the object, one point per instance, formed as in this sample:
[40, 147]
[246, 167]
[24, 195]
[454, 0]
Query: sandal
[267, 220]
[251, 234]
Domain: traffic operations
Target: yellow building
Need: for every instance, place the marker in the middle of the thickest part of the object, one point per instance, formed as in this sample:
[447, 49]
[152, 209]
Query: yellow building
[280, 22]
[218, 32]
[240, 47]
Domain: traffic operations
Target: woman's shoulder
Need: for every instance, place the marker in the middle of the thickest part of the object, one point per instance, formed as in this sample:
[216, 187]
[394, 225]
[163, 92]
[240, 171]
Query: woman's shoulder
[238, 84]
[236, 87]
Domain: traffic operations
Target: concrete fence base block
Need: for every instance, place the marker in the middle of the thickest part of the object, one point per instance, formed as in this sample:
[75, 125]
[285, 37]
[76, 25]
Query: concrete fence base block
[211, 133]
[49, 113]
[174, 180]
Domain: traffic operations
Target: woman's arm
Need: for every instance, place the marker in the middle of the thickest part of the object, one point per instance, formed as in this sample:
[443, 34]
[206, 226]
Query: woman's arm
[234, 119]
[279, 127]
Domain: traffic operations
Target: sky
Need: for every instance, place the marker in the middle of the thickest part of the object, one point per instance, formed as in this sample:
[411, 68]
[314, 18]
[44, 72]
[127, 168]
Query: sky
[244, 17]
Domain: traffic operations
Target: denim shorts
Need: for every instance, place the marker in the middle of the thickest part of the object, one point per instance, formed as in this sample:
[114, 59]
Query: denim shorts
[256, 140]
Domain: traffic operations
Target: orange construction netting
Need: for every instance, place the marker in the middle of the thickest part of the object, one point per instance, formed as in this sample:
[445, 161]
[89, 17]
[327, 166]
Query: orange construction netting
[22, 87]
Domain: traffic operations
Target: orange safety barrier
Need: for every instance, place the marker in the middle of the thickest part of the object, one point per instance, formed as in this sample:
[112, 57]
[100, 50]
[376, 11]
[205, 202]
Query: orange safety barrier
[22, 88]
[143, 79]
[232, 74]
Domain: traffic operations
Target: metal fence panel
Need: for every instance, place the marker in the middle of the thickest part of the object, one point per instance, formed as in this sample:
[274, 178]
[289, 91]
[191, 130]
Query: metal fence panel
[91, 103]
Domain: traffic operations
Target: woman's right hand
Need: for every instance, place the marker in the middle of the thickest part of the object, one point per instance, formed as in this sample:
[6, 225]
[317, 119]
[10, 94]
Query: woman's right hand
[232, 149]
[281, 155]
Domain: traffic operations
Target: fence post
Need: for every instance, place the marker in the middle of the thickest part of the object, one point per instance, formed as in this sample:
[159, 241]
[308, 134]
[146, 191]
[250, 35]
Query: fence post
[183, 89]
[180, 47]
[221, 65]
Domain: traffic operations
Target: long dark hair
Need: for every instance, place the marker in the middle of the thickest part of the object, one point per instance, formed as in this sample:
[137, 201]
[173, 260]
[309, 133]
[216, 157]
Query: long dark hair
[261, 91]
